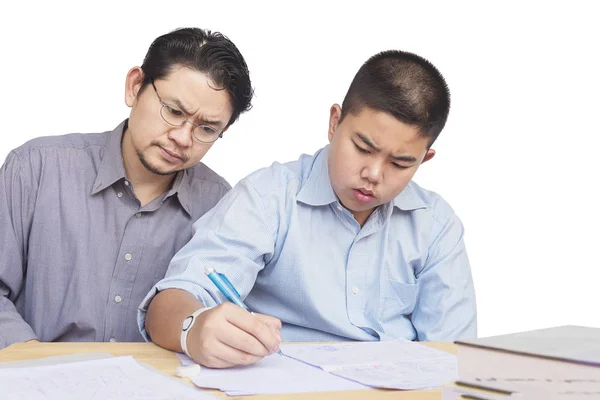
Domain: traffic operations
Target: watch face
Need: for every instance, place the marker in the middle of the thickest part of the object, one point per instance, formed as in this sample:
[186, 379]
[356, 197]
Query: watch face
[186, 323]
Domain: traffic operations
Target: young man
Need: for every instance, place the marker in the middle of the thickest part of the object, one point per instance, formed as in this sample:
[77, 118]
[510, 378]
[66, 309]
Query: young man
[340, 245]
[89, 223]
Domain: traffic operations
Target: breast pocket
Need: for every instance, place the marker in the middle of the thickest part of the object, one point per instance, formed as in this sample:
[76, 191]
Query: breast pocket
[397, 299]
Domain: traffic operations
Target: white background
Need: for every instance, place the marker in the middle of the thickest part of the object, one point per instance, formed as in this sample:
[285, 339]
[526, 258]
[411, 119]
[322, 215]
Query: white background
[516, 161]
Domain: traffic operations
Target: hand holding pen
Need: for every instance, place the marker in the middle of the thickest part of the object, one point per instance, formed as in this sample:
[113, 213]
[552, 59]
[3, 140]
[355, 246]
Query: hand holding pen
[229, 291]
[229, 335]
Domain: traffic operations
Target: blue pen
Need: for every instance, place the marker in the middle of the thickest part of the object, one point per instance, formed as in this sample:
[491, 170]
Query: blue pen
[225, 287]
[228, 290]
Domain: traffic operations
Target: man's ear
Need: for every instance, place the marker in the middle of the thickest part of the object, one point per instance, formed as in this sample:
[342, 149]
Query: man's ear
[224, 130]
[133, 84]
[428, 156]
[335, 113]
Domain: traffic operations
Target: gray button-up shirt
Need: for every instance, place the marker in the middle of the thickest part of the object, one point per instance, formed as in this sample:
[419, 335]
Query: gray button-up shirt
[77, 252]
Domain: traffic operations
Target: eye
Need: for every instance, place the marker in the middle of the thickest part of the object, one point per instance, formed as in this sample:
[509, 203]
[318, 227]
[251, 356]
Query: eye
[360, 149]
[174, 112]
[209, 130]
[399, 166]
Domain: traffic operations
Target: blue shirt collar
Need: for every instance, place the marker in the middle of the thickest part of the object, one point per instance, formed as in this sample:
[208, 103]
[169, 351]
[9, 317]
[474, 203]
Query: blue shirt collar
[408, 200]
[317, 190]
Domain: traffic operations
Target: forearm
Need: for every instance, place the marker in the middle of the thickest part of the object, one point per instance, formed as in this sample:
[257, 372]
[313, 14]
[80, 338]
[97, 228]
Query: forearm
[165, 314]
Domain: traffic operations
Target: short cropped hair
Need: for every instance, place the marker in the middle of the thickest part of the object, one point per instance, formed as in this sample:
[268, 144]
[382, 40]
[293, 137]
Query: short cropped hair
[403, 85]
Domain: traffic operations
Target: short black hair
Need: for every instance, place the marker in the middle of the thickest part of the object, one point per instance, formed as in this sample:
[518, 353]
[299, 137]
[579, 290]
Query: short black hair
[404, 85]
[208, 52]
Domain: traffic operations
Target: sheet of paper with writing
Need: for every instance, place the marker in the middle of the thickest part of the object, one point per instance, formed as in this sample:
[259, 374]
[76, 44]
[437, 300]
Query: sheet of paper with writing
[396, 364]
[117, 378]
[273, 374]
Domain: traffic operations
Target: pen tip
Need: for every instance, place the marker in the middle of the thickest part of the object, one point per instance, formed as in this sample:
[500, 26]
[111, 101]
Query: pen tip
[208, 270]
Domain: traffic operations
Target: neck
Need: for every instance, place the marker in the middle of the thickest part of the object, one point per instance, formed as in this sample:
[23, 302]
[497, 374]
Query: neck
[146, 185]
[362, 216]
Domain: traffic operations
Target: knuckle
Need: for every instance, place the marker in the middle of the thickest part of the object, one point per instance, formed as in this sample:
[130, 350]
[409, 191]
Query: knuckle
[246, 359]
[276, 323]
[259, 326]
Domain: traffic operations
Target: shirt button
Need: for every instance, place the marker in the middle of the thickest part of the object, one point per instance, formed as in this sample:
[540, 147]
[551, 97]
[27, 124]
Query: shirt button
[355, 290]
[139, 215]
[128, 256]
[120, 194]
[339, 207]
[118, 299]
[113, 340]
[126, 183]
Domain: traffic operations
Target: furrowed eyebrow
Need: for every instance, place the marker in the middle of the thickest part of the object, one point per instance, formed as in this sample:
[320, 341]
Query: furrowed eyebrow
[180, 106]
[204, 120]
[368, 142]
[211, 122]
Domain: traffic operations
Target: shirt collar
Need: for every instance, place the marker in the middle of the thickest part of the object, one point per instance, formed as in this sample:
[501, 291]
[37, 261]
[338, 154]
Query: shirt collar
[408, 200]
[317, 191]
[112, 170]
[111, 166]
[181, 187]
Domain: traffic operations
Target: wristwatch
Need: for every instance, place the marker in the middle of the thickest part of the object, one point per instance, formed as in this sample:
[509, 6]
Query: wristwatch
[187, 325]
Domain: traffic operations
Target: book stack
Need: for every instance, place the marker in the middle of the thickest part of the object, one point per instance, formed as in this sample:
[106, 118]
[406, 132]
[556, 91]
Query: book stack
[554, 363]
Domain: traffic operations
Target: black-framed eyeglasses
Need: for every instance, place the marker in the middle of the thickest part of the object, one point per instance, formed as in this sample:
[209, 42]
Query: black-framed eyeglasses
[175, 117]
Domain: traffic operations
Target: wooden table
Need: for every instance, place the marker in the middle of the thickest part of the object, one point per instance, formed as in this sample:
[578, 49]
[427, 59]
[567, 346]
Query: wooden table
[165, 361]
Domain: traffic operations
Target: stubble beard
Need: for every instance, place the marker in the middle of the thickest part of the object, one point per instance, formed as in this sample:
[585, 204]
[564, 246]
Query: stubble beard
[150, 167]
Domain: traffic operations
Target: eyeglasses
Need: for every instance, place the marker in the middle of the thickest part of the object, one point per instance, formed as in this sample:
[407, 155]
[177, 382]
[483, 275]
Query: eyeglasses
[175, 117]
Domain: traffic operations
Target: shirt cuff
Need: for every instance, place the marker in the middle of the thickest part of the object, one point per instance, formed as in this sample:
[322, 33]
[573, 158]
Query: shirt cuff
[14, 330]
[192, 288]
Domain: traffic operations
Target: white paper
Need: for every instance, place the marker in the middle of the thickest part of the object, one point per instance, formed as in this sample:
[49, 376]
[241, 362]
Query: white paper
[273, 374]
[55, 360]
[118, 378]
[397, 364]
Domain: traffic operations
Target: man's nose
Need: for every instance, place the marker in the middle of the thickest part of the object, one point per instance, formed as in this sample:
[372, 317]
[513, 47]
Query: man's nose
[183, 135]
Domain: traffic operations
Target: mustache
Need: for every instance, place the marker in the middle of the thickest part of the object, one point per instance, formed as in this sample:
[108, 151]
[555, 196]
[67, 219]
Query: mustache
[184, 157]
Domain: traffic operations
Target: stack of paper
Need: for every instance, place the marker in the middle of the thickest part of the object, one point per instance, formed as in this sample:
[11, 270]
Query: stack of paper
[119, 378]
[558, 362]
[397, 364]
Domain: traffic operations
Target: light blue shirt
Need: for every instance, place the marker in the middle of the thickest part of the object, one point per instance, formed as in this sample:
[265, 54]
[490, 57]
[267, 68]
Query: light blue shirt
[294, 252]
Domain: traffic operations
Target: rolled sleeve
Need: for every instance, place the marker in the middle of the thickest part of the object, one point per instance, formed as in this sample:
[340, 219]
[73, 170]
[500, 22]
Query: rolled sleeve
[190, 287]
[233, 238]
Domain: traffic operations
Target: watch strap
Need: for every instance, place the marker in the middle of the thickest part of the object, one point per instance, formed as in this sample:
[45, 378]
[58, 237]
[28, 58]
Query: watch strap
[187, 325]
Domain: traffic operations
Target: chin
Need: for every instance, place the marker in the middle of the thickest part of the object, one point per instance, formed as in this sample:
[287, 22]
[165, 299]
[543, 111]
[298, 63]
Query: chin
[158, 170]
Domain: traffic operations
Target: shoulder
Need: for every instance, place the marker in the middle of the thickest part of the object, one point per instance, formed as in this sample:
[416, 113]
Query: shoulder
[280, 177]
[201, 175]
[66, 152]
[433, 204]
[61, 143]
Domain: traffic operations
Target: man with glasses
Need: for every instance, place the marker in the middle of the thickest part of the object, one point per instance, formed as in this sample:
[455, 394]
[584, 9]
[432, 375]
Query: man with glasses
[89, 222]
